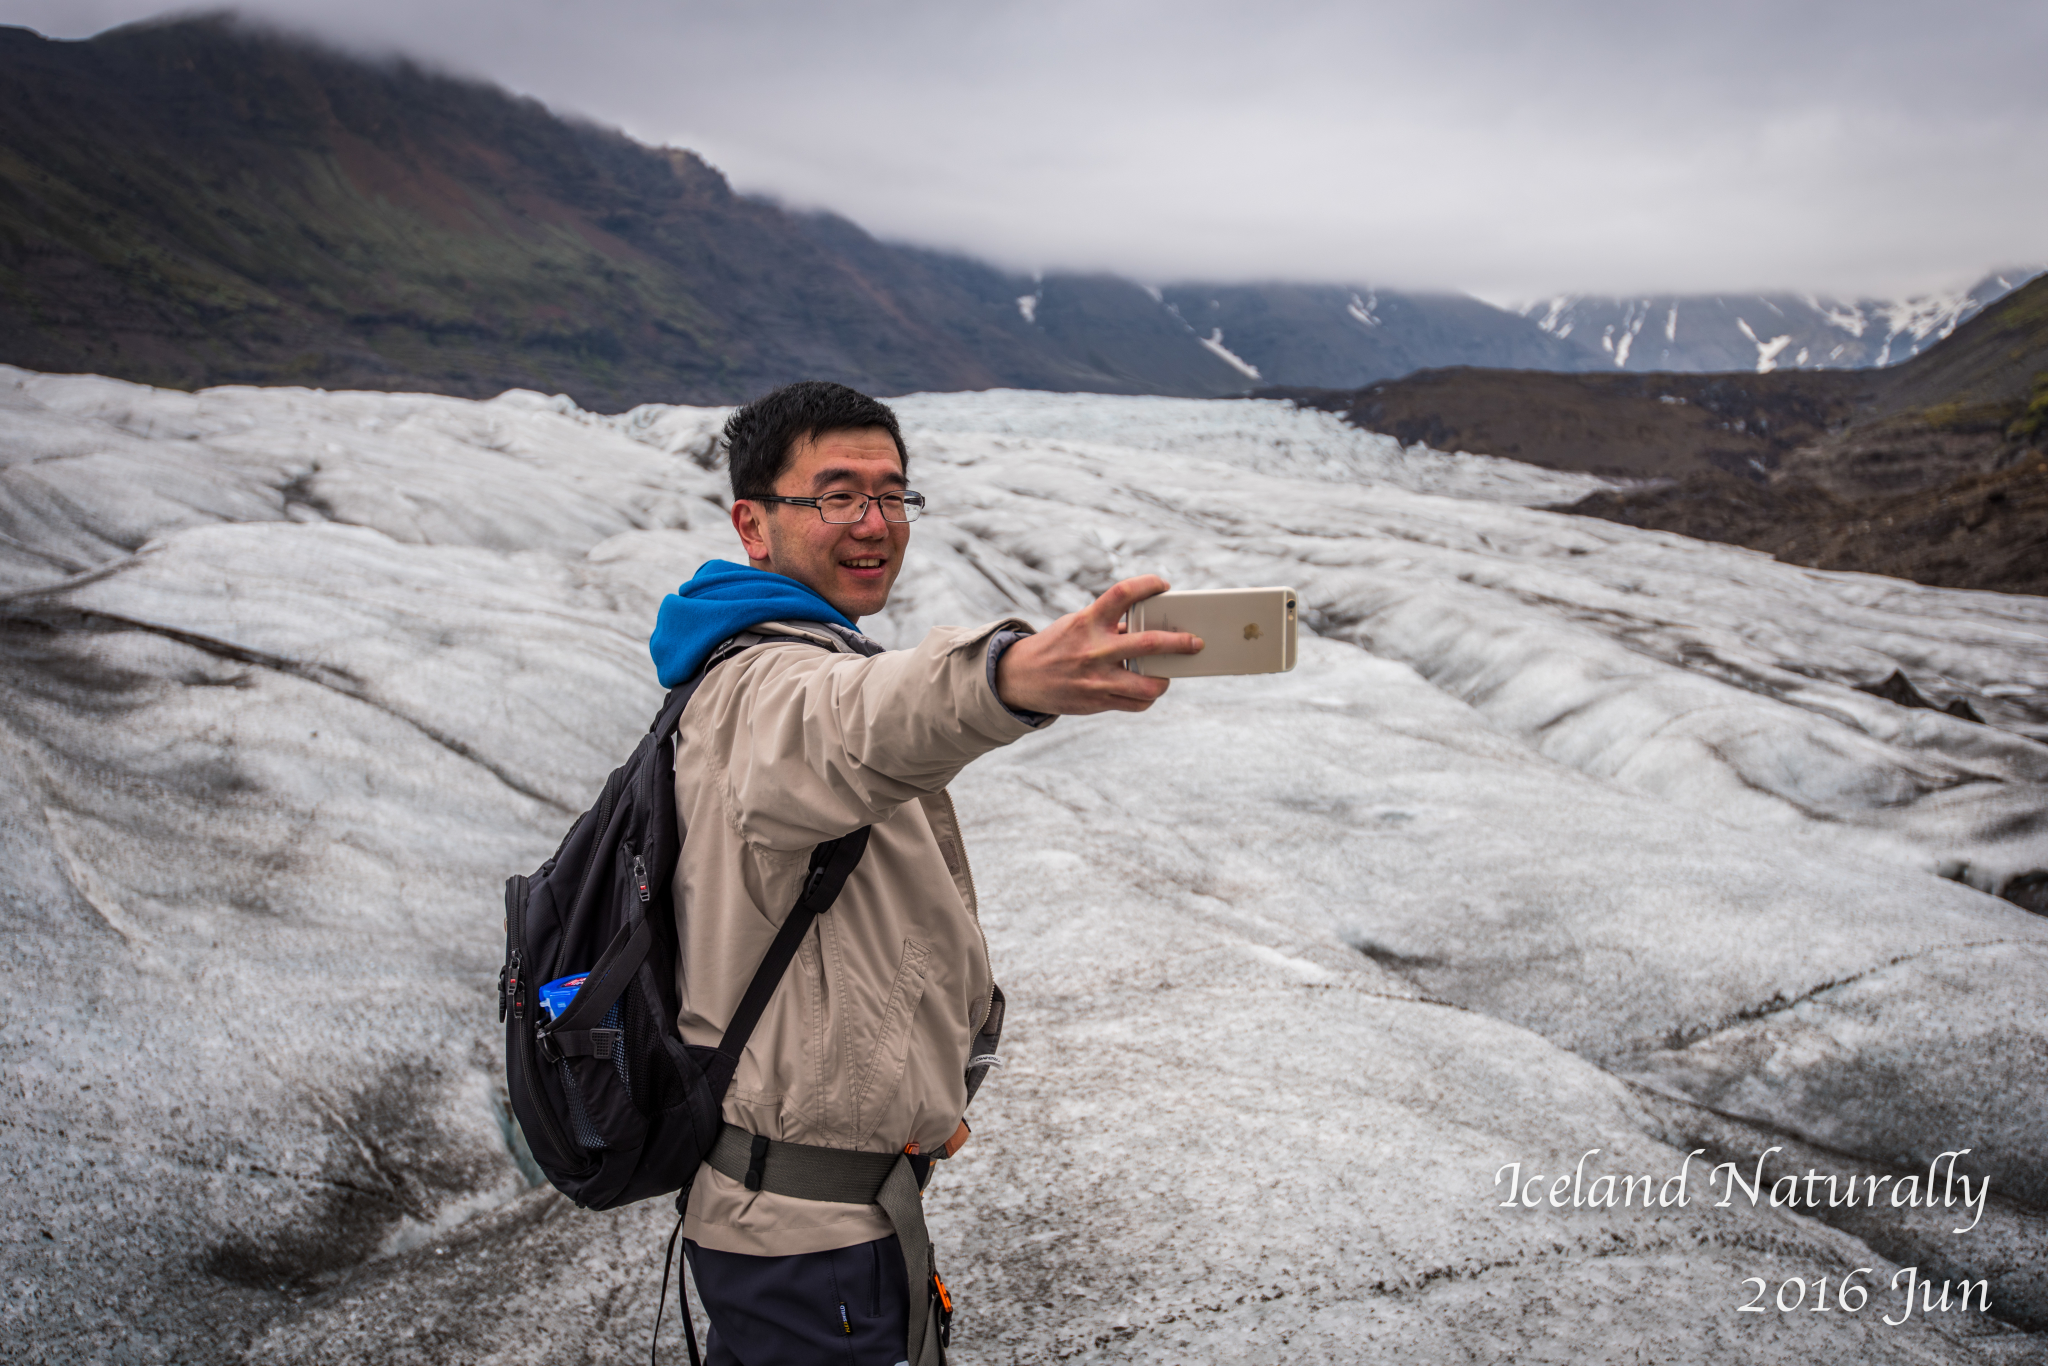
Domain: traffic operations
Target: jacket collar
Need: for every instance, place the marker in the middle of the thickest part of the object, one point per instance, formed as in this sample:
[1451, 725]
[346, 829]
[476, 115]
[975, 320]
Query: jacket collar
[832, 637]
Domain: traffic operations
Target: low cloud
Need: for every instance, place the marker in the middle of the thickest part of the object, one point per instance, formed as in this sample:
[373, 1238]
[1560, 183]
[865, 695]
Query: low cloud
[1503, 148]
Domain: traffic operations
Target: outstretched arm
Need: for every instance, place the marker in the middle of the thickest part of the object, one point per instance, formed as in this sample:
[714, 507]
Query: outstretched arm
[1075, 667]
[805, 744]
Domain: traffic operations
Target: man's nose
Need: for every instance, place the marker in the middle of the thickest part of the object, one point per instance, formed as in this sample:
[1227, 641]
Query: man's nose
[871, 524]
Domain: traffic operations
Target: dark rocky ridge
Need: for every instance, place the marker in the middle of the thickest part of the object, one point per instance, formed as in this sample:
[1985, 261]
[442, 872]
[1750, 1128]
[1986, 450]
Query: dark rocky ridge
[1980, 531]
[1621, 425]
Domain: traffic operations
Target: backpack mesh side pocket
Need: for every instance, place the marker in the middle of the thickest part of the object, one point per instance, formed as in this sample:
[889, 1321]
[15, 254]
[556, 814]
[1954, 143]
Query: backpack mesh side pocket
[646, 1067]
[580, 1125]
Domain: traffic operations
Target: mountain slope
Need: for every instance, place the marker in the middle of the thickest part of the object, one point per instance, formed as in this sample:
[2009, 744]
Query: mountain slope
[1970, 406]
[1339, 336]
[199, 201]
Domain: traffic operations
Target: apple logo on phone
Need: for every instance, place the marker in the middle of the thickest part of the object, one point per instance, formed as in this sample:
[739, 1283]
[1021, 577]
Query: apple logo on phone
[1251, 632]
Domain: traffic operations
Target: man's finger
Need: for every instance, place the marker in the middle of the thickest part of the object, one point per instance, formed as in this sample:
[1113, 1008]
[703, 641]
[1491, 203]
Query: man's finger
[1113, 603]
[1149, 696]
[1155, 643]
[1137, 694]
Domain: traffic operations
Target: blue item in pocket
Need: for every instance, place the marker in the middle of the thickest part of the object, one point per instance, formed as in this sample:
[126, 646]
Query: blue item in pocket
[554, 999]
[556, 995]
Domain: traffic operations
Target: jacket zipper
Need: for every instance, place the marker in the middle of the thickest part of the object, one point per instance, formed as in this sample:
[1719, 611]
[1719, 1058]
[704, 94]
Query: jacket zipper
[973, 909]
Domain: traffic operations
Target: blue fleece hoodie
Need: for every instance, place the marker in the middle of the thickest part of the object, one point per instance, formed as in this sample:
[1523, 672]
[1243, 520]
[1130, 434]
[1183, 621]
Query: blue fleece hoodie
[721, 600]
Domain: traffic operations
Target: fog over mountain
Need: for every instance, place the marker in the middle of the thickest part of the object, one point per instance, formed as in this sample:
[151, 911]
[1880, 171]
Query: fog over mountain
[1871, 150]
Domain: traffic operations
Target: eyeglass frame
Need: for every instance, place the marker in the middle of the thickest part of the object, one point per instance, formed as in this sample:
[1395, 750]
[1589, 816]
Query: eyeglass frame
[870, 499]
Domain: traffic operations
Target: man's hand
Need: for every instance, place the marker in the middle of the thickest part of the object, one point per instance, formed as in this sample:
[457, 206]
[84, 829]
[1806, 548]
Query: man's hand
[1074, 667]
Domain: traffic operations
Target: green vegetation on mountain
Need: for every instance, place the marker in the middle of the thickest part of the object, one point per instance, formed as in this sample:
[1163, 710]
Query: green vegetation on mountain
[2033, 419]
[197, 202]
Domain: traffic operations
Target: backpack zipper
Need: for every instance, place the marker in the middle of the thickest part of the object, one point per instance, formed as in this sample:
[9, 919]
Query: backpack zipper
[523, 1051]
[607, 801]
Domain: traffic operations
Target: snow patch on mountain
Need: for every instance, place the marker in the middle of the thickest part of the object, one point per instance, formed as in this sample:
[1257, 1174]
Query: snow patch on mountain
[1848, 317]
[1928, 318]
[1766, 351]
[1214, 344]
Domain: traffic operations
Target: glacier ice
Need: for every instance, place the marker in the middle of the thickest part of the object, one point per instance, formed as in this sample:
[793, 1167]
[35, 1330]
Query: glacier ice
[1563, 836]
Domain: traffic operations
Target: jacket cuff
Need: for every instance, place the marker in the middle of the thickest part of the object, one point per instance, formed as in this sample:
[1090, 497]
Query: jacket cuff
[1000, 642]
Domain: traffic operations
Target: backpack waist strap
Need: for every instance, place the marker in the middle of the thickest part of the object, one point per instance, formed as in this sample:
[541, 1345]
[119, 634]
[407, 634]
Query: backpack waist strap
[801, 1170]
[842, 1176]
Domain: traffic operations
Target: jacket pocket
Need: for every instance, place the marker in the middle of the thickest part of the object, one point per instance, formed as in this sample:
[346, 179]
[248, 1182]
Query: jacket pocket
[880, 1076]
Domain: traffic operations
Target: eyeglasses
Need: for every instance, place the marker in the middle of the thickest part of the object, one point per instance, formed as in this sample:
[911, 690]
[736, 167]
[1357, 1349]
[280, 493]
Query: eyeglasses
[842, 508]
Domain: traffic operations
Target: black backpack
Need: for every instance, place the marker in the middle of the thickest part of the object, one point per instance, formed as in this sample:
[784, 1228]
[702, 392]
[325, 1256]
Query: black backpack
[614, 1105]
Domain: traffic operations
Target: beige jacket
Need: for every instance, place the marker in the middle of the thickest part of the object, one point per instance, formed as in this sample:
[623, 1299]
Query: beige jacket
[865, 1042]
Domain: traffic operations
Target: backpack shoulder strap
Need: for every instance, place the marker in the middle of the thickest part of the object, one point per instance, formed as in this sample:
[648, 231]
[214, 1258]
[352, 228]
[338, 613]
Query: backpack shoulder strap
[831, 864]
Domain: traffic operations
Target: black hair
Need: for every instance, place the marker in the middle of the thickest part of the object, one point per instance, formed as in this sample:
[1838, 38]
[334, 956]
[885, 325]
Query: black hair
[760, 436]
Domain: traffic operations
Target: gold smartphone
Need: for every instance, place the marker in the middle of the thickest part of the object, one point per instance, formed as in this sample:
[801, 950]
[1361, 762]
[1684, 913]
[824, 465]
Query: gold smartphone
[1243, 631]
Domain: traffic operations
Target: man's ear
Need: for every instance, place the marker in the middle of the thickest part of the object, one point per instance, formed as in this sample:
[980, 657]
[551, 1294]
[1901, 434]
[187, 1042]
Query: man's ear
[749, 519]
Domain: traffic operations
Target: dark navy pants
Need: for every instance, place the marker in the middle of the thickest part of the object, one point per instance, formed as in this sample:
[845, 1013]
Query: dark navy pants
[843, 1306]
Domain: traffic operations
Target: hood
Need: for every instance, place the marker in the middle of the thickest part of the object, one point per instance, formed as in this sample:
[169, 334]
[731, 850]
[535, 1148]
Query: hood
[721, 600]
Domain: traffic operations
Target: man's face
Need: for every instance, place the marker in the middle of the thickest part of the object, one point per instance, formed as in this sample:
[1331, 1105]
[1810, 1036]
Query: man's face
[851, 565]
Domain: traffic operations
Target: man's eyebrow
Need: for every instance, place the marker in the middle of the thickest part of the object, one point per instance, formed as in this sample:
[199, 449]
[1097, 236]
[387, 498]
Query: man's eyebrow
[825, 478]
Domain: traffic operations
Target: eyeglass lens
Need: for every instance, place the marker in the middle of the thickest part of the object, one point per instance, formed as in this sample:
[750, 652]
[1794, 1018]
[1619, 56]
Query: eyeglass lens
[851, 507]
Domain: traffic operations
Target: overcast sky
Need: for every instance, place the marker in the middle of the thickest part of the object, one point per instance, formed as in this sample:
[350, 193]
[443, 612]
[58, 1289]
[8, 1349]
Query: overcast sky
[1507, 147]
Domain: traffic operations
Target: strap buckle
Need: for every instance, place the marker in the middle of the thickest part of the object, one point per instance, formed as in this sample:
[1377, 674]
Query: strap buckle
[945, 1314]
[757, 1161]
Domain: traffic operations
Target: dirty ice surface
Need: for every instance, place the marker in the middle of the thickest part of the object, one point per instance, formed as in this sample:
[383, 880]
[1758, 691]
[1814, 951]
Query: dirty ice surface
[1562, 837]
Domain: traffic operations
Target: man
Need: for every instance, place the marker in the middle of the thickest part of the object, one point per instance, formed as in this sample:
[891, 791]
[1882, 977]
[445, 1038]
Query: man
[804, 731]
